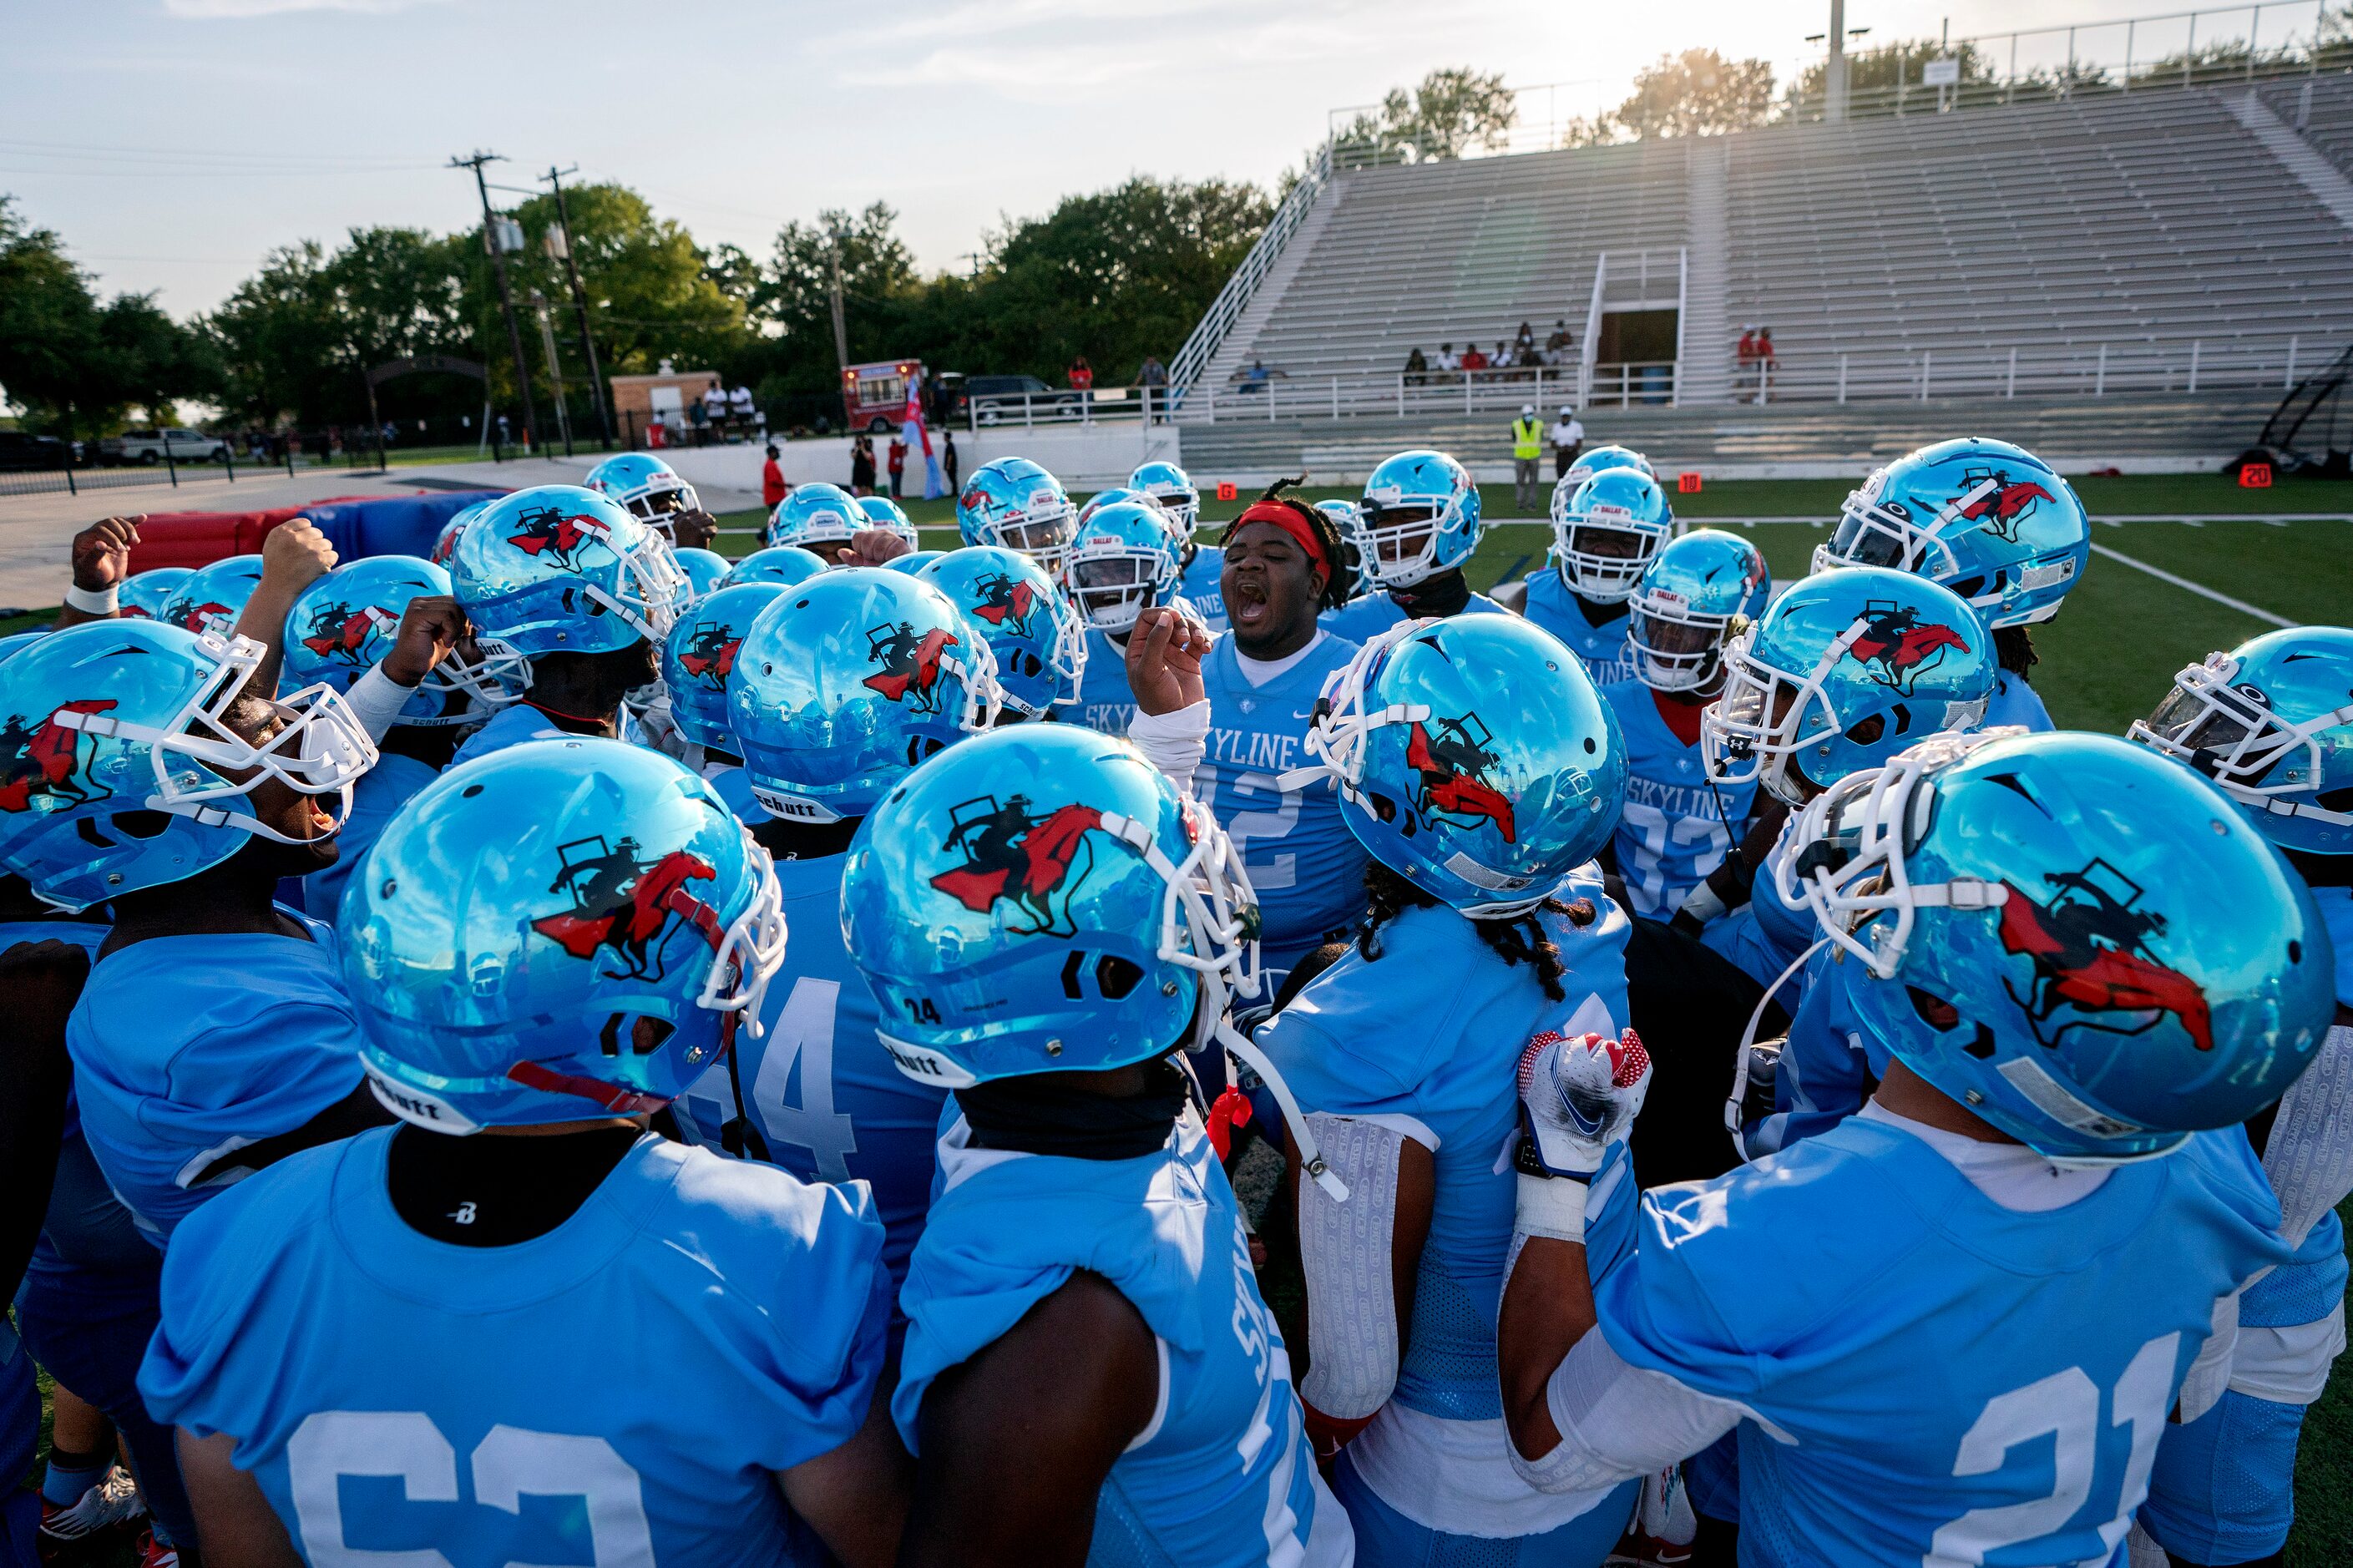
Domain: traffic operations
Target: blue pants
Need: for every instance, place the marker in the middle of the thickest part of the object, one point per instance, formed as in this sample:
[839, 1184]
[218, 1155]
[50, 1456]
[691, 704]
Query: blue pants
[2223, 1487]
[1387, 1538]
[20, 1435]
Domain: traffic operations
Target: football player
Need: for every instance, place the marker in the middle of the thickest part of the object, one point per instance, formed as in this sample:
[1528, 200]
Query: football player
[1033, 629]
[782, 564]
[1678, 826]
[1420, 524]
[2269, 722]
[101, 568]
[648, 488]
[841, 687]
[1121, 562]
[519, 1328]
[1089, 1373]
[1608, 522]
[2022, 1255]
[1989, 520]
[817, 517]
[570, 597]
[1200, 569]
[1481, 770]
[1013, 502]
[697, 657]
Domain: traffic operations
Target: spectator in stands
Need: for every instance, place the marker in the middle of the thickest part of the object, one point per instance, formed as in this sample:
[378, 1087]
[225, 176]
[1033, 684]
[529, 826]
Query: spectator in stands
[1765, 364]
[1501, 358]
[1559, 341]
[697, 416]
[714, 404]
[1254, 379]
[1153, 376]
[948, 460]
[1081, 375]
[1417, 369]
[739, 405]
[861, 466]
[1745, 357]
[1449, 363]
[1567, 441]
[1528, 458]
[1524, 339]
[1472, 360]
[773, 487]
[898, 465]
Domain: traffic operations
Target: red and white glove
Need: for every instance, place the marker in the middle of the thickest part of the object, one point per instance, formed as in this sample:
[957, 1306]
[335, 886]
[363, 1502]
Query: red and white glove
[1578, 1096]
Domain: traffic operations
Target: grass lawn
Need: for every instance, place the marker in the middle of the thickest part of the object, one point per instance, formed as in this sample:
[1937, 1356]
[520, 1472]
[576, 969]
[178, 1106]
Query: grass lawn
[2108, 659]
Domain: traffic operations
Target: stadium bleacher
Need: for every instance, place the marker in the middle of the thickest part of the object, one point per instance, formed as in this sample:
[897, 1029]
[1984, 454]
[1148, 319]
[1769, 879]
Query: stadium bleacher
[2325, 106]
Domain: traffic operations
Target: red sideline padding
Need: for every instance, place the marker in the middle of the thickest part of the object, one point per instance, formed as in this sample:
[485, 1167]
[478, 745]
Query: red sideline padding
[357, 526]
[200, 538]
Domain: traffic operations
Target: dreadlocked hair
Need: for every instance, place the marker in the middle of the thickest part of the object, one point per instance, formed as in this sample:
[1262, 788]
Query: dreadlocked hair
[2013, 649]
[1518, 939]
[1339, 583]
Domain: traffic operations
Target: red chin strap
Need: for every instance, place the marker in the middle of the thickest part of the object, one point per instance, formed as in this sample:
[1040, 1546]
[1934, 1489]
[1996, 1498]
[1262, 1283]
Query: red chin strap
[1287, 518]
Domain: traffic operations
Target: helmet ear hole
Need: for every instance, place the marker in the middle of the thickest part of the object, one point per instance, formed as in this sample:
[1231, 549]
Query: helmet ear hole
[1934, 1010]
[141, 824]
[2336, 799]
[1867, 728]
[1116, 976]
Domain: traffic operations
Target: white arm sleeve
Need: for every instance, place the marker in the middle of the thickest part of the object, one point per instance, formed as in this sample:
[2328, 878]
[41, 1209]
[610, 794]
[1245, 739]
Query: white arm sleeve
[2309, 1155]
[1174, 742]
[1617, 1422]
[1344, 1251]
[377, 700]
[2209, 1375]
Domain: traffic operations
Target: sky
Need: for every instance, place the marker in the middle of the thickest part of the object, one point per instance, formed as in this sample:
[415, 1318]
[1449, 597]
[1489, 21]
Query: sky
[174, 143]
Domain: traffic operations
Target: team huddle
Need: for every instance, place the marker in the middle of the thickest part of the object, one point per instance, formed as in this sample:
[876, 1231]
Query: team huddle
[1096, 1046]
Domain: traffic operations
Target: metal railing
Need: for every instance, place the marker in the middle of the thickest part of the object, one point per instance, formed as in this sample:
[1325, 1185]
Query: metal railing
[1235, 296]
[1434, 394]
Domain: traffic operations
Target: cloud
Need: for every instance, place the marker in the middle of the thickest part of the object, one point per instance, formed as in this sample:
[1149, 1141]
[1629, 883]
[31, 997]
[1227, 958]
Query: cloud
[217, 10]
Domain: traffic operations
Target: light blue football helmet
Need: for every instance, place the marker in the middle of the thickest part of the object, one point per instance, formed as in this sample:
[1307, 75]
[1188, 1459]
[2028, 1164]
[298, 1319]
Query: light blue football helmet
[883, 512]
[848, 680]
[1843, 671]
[703, 570]
[1474, 758]
[1015, 504]
[1420, 518]
[817, 517]
[1032, 630]
[914, 561]
[1348, 523]
[785, 563]
[343, 623]
[559, 569]
[596, 962]
[1122, 561]
[210, 598]
[144, 595]
[645, 486]
[1105, 498]
[2271, 722]
[700, 654]
[1041, 899]
[1991, 522]
[118, 767]
[444, 543]
[15, 643]
[2088, 947]
[1599, 459]
[1173, 491]
[1700, 589]
[1606, 531]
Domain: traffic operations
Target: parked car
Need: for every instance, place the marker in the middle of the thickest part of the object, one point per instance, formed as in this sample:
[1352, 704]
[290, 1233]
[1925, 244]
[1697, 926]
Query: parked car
[1000, 399]
[150, 446]
[22, 451]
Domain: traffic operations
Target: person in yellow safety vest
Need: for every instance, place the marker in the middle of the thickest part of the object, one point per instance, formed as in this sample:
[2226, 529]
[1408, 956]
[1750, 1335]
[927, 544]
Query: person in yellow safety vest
[1527, 456]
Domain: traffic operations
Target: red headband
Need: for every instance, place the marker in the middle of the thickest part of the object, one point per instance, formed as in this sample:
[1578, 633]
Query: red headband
[1286, 518]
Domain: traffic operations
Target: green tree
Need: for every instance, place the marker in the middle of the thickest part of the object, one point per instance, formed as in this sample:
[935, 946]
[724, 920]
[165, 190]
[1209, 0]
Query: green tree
[1454, 110]
[1886, 77]
[1695, 93]
[48, 327]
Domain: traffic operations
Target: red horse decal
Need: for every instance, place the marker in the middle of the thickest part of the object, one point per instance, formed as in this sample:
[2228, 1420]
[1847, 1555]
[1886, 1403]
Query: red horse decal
[2089, 950]
[39, 759]
[1451, 767]
[1011, 854]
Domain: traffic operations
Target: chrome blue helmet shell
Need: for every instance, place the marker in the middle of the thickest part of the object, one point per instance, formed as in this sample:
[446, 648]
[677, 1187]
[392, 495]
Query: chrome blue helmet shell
[883, 512]
[700, 654]
[1348, 521]
[444, 543]
[119, 770]
[345, 622]
[1474, 758]
[703, 569]
[1105, 498]
[1599, 459]
[15, 643]
[817, 517]
[1420, 518]
[144, 595]
[2088, 947]
[1843, 671]
[846, 682]
[644, 486]
[559, 569]
[210, 598]
[1015, 504]
[1041, 899]
[2271, 722]
[914, 561]
[1172, 491]
[1122, 561]
[1991, 522]
[785, 563]
[1033, 632]
[1606, 529]
[1700, 589]
[557, 930]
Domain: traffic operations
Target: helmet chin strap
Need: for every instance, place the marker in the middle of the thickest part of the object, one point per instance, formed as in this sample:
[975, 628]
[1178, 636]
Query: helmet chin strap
[1311, 1156]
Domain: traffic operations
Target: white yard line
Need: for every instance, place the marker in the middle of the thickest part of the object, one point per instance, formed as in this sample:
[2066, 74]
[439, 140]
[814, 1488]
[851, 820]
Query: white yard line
[2199, 589]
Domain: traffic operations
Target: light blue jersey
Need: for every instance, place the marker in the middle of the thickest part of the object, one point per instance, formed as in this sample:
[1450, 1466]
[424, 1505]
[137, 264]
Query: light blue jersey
[1764, 936]
[618, 1390]
[1223, 1476]
[819, 1082]
[2016, 703]
[520, 721]
[1307, 868]
[186, 1049]
[1831, 1061]
[1675, 826]
[1934, 1377]
[1427, 1036]
[1604, 651]
[1106, 702]
[382, 790]
[1360, 620]
[1199, 585]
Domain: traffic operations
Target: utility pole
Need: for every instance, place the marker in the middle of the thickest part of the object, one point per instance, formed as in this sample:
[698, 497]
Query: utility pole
[840, 332]
[580, 307]
[506, 294]
[555, 369]
[1834, 69]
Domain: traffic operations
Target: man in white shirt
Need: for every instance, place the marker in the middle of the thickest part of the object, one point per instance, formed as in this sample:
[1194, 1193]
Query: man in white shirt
[1568, 440]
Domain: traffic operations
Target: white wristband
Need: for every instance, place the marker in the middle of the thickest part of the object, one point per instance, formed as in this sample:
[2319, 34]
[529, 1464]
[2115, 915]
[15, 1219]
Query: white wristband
[1173, 742]
[102, 603]
[1703, 903]
[1550, 1206]
[377, 700]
